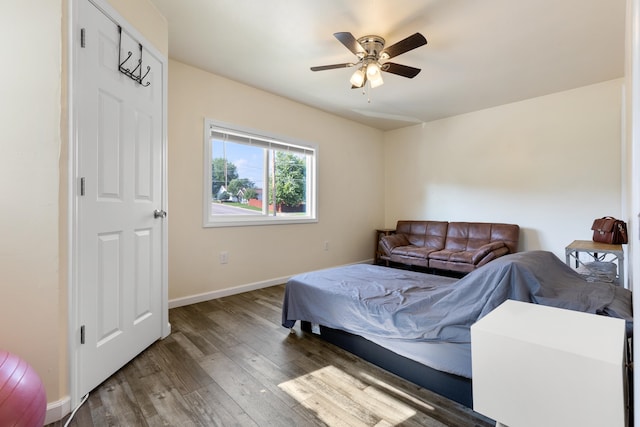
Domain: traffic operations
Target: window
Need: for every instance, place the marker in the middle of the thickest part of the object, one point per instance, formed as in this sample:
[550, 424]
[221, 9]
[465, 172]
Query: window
[256, 179]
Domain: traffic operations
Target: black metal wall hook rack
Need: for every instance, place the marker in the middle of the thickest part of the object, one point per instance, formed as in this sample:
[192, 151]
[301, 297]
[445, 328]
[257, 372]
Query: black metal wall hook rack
[136, 73]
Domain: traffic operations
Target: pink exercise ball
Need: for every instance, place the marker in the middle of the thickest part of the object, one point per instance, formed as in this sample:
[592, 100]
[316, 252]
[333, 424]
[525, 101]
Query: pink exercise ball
[23, 401]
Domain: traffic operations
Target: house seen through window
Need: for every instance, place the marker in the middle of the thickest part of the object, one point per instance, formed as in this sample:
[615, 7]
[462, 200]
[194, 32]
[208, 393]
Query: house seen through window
[252, 178]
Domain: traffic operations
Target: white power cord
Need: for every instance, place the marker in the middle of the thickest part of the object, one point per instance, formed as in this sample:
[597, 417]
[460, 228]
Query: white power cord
[84, 399]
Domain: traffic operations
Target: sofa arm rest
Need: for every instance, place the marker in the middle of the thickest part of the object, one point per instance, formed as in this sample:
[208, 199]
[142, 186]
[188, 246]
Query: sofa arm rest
[495, 248]
[388, 243]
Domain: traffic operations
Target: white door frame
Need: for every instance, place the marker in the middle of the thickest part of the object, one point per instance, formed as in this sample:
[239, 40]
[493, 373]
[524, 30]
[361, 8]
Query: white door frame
[632, 145]
[73, 324]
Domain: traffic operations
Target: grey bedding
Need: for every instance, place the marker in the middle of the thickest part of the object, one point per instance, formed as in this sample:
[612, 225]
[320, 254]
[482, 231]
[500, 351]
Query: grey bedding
[405, 305]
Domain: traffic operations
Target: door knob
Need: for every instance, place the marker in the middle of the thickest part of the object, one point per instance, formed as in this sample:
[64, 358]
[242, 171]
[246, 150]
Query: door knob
[159, 214]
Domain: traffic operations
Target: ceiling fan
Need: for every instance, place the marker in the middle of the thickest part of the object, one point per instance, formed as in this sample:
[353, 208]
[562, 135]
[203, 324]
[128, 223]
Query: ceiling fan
[372, 57]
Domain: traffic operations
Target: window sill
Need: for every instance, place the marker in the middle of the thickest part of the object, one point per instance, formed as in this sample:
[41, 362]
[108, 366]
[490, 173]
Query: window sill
[238, 222]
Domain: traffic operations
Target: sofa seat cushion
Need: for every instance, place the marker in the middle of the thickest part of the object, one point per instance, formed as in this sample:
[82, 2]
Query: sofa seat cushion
[472, 257]
[455, 256]
[412, 251]
[458, 267]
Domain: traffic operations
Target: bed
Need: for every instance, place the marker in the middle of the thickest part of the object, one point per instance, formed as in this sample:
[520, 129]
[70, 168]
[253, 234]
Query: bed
[417, 325]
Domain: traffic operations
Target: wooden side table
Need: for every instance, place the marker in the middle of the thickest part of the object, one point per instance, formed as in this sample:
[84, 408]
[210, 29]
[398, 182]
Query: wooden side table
[596, 252]
[379, 233]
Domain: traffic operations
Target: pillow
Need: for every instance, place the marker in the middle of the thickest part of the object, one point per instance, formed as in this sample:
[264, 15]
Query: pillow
[483, 250]
[393, 241]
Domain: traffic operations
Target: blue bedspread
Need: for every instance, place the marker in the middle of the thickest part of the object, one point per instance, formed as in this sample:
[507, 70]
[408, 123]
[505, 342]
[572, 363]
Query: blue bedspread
[391, 303]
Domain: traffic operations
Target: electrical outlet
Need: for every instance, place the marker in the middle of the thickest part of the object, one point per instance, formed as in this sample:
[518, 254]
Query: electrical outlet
[326, 245]
[224, 257]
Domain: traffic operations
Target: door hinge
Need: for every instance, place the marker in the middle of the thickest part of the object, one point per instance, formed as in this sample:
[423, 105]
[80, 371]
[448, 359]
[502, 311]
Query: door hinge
[82, 40]
[82, 186]
[82, 334]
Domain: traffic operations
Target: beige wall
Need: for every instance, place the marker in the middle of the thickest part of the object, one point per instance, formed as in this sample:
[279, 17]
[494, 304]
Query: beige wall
[550, 164]
[30, 111]
[350, 193]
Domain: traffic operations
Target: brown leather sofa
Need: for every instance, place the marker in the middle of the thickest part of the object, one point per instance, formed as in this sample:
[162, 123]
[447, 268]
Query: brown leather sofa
[459, 247]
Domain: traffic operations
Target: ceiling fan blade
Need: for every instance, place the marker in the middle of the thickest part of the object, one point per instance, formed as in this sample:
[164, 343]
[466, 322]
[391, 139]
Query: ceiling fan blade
[405, 45]
[331, 67]
[399, 69]
[350, 42]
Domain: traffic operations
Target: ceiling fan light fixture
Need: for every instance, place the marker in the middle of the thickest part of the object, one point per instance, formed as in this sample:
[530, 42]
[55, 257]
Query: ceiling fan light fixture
[376, 81]
[374, 76]
[357, 79]
[373, 70]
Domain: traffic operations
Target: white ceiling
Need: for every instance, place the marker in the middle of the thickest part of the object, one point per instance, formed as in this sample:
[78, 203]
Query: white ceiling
[479, 53]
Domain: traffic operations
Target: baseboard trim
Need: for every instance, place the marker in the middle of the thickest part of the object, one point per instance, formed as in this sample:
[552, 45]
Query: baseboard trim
[207, 296]
[57, 410]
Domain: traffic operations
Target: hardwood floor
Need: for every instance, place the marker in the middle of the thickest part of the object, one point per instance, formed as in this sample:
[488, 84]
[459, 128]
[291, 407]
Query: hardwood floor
[229, 362]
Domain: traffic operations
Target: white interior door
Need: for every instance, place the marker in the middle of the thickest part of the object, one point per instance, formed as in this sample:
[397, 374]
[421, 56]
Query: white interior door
[120, 175]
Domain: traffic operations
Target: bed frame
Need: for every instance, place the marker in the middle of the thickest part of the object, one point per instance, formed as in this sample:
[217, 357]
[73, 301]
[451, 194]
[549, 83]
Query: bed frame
[451, 386]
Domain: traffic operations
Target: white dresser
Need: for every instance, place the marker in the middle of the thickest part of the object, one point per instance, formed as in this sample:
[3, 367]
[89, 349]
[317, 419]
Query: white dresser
[535, 366]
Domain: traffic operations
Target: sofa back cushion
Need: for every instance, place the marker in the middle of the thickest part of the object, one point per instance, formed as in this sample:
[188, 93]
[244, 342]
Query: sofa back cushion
[469, 236]
[428, 234]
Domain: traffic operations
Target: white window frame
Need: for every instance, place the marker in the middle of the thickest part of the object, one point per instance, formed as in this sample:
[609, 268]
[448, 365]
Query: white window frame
[210, 220]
